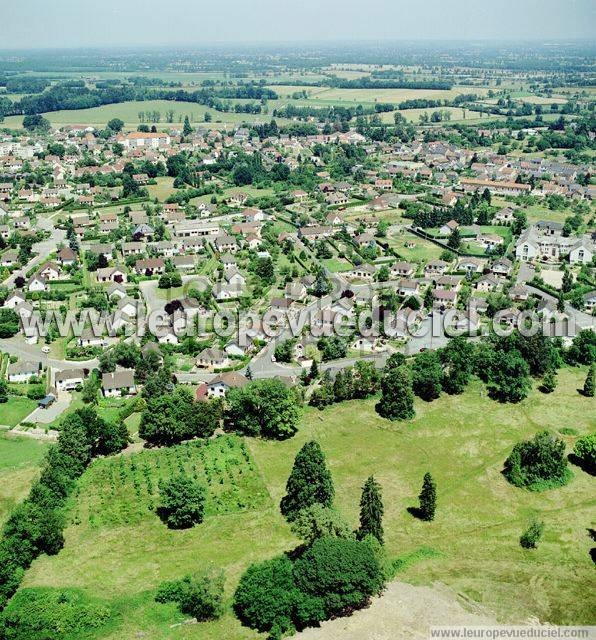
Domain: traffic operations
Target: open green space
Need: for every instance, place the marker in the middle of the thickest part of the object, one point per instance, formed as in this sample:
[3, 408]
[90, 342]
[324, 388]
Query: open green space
[19, 462]
[114, 538]
[17, 408]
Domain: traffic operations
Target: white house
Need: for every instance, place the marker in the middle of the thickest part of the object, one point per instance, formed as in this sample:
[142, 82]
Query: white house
[68, 379]
[22, 371]
[120, 382]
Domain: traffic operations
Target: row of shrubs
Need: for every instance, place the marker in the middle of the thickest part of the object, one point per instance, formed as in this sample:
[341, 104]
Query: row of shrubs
[36, 525]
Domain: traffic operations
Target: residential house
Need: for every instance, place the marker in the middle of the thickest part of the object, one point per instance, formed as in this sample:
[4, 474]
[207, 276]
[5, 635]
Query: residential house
[119, 383]
[22, 371]
[212, 358]
[68, 379]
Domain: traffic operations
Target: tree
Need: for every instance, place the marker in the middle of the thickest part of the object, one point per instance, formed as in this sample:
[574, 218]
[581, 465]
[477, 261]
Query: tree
[427, 498]
[428, 298]
[36, 122]
[266, 597]
[457, 359]
[73, 443]
[549, 382]
[172, 417]
[332, 348]
[531, 536]
[590, 382]
[318, 521]
[309, 482]
[90, 391]
[538, 464]
[322, 285]
[567, 283]
[584, 452]
[199, 595]
[3, 392]
[371, 511]
[265, 408]
[454, 241]
[186, 129]
[182, 502]
[116, 125]
[509, 377]
[265, 269]
[397, 397]
[342, 573]
[284, 351]
[427, 375]
[583, 348]
[9, 323]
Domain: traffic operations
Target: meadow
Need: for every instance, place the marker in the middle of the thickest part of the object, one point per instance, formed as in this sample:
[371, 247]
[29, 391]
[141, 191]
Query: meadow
[117, 547]
[128, 112]
[19, 463]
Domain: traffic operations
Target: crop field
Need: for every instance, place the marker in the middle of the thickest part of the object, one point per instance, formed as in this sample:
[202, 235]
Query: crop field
[115, 539]
[124, 490]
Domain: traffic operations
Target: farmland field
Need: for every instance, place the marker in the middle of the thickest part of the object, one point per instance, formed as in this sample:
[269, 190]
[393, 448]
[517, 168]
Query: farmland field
[116, 540]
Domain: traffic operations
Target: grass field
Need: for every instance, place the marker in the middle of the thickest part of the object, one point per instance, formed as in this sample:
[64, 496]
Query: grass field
[17, 408]
[128, 112]
[19, 461]
[462, 440]
[163, 188]
[422, 249]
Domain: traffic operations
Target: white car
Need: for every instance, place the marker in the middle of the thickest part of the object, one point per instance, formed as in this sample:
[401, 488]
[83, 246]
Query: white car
[45, 349]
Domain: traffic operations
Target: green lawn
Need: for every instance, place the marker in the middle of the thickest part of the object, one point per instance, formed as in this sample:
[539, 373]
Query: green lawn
[17, 408]
[117, 547]
[128, 112]
[336, 264]
[19, 462]
[422, 249]
[163, 189]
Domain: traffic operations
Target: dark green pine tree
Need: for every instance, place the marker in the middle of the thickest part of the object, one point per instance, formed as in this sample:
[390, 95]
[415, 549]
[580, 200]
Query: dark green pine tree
[309, 482]
[549, 382]
[428, 498]
[590, 383]
[314, 370]
[371, 511]
[187, 129]
[397, 397]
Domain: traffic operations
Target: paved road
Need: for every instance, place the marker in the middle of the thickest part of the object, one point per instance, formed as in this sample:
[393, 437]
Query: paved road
[43, 249]
[16, 346]
[582, 320]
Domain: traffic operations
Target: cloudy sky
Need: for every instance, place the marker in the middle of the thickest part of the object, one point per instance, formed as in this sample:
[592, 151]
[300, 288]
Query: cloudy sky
[74, 23]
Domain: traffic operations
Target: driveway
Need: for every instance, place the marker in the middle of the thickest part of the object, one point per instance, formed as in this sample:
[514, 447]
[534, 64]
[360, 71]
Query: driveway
[46, 416]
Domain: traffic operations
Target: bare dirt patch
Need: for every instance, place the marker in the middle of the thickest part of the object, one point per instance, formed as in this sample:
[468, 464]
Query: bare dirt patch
[406, 612]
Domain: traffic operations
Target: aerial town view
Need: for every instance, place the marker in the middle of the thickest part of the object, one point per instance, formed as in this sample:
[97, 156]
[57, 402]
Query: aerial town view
[297, 320]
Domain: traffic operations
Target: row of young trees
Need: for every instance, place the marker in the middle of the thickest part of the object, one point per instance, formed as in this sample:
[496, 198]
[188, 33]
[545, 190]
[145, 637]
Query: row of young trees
[505, 364]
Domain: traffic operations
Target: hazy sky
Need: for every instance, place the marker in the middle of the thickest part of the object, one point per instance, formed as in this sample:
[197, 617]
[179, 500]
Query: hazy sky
[68, 23]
